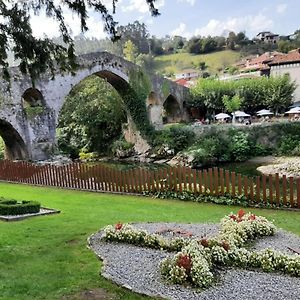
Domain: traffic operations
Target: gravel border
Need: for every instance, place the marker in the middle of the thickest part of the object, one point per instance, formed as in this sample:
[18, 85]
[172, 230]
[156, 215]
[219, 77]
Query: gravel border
[43, 211]
[137, 269]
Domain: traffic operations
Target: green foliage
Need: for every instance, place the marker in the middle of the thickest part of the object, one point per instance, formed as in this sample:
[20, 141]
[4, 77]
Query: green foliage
[166, 88]
[175, 63]
[33, 111]
[239, 146]
[121, 146]
[13, 207]
[91, 117]
[232, 104]
[36, 55]
[275, 93]
[2, 148]
[88, 156]
[177, 137]
[135, 101]
[217, 146]
[130, 51]
[289, 145]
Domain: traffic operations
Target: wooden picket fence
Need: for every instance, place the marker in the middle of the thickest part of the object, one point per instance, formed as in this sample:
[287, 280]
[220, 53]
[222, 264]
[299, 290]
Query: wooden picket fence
[260, 190]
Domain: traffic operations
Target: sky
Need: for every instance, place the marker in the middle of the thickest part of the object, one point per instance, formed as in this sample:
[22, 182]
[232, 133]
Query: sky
[190, 17]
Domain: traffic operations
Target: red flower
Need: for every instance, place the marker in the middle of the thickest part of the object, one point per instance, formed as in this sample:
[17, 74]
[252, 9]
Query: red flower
[225, 245]
[204, 243]
[241, 213]
[233, 217]
[185, 262]
[118, 226]
[252, 217]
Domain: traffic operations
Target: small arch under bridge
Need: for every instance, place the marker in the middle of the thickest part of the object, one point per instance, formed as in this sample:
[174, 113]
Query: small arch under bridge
[29, 115]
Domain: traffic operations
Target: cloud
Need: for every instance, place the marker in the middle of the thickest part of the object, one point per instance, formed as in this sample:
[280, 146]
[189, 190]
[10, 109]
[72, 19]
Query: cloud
[281, 8]
[43, 25]
[248, 23]
[181, 30]
[140, 6]
[191, 2]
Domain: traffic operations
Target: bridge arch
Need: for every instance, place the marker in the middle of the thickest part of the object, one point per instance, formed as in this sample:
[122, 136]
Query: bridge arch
[15, 147]
[33, 97]
[172, 111]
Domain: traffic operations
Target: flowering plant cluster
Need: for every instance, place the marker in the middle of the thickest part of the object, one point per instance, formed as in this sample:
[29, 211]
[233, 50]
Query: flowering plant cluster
[191, 265]
[128, 234]
[196, 260]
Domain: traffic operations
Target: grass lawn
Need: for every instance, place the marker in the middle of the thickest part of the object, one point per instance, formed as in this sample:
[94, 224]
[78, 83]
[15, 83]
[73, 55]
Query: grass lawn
[174, 63]
[47, 258]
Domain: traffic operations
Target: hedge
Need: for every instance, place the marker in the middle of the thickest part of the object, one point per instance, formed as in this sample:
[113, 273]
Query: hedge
[13, 207]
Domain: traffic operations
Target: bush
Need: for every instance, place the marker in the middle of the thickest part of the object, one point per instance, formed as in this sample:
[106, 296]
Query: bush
[122, 148]
[240, 147]
[290, 145]
[177, 137]
[13, 207]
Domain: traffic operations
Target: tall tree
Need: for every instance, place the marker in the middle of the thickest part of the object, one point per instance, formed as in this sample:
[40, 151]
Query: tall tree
[35, 54]
[136, 32]
[130, 51]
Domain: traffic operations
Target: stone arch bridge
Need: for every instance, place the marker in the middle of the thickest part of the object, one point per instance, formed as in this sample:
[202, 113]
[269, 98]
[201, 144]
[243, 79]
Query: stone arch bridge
[29, 115]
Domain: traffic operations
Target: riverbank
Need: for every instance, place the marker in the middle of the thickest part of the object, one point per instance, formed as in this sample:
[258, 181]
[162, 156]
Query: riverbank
[289, 166]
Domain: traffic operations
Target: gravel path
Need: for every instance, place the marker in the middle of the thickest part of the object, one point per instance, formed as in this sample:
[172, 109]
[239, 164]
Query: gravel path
[138, 269]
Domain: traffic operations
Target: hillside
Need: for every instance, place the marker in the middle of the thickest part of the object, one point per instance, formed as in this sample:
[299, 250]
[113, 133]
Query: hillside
[216, 61]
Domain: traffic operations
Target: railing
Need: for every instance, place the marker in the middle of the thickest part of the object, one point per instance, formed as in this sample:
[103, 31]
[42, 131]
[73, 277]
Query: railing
[261, 190]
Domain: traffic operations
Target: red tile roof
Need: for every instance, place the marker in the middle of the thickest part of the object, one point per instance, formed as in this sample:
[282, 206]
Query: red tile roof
[183, 82]
[291, 57]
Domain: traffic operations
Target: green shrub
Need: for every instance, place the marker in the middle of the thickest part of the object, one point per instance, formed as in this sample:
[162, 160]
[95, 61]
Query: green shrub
[290, 145]
[177, 137]
[240, 146]
[88, 156]
[13, 207]
[122, 148]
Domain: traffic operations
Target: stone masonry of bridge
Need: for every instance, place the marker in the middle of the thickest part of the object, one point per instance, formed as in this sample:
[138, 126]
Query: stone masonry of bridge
[29, 115]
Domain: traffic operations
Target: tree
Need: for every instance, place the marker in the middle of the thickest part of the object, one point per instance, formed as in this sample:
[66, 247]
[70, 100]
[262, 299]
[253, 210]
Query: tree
[232, 104]
[130, 51]
[231, 40]
[37, 55]
[136, 32]
[91, 117]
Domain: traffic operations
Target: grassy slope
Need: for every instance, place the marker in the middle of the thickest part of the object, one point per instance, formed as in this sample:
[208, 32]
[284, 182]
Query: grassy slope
[46, 257]
[179, 61]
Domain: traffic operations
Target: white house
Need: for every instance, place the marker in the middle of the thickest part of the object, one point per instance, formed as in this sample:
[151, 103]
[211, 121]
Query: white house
[187, 74]
[288, 64]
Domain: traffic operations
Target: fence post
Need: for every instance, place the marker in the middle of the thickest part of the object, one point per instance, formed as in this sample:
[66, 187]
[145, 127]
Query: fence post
[216, 177]
[291, 181]
[271, 188]
[211, 184]
[277, 188]
[258, 189]
[239, 176]
[246, 186]
[284, 189]
[233, 184]
[222, 181]
[264, 181]
[227, 181]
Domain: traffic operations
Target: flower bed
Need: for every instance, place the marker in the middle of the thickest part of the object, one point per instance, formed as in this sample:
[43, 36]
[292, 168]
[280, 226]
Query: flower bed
[13, 207]
[197, 260]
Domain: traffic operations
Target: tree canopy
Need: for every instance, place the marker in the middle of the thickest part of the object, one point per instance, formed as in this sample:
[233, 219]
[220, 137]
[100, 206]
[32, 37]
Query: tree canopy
[36, 55]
